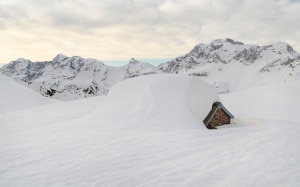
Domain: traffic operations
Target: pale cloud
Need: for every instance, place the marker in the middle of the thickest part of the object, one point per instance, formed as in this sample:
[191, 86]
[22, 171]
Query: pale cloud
[119, 29]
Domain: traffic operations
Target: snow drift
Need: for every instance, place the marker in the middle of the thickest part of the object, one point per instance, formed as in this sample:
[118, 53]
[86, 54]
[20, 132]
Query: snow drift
[14, 96]
[156, 102]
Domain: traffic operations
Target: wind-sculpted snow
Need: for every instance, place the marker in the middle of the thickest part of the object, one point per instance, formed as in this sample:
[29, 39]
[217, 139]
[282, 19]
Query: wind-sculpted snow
[164, 102]
[226, 64]
[134, 137]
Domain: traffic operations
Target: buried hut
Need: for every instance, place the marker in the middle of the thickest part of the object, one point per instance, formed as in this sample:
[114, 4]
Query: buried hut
[217, 116]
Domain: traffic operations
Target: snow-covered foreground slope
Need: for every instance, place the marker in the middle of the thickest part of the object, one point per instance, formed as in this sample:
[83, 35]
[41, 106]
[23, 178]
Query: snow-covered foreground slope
[78, 143]
[154, 102]
[14, 96]
[281, 101]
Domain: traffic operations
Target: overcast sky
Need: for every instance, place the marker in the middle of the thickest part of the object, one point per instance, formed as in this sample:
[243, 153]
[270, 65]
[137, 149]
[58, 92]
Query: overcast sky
[117, 30]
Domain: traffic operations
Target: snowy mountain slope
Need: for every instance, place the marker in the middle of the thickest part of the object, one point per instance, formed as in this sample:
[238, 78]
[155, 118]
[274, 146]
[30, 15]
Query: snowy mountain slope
[68, 78]
[230, 65]
[227, 64]
[75, 143]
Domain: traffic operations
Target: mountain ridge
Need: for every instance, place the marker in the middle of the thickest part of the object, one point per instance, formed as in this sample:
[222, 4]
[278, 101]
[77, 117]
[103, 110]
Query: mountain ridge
[68, 78]
[227, 64]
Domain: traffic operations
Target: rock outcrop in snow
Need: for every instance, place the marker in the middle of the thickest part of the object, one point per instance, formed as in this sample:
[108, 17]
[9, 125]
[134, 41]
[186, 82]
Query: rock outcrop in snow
[227, 64]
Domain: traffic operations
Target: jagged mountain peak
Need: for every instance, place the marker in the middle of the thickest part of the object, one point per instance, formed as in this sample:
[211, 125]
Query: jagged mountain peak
[22, 60]
[60, 57]
[64, 60]
[224, 41]
[76, 62]
[18, 65]
[221, 41]
[134, 61]
[136, 68]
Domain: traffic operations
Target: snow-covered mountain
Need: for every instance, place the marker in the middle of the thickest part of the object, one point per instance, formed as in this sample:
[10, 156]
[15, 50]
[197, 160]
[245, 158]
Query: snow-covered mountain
[227, 64]
[68, 78]
[230, 65]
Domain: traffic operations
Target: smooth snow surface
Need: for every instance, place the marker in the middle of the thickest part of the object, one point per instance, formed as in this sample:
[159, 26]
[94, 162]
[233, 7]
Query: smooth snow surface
[161, 102]
[14, 96]
[144, 133]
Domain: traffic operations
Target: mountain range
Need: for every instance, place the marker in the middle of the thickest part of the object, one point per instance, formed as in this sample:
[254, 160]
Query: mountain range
[227, 64]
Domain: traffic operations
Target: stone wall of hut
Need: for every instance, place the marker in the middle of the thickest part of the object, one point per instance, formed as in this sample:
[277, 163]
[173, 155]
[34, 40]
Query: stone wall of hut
[220, 118]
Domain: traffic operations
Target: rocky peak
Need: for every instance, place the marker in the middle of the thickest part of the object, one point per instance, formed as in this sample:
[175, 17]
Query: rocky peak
[218, 43]
[59, 58]
[136, 68]
[64, 62]
[133, 61]
[18, 64]
[229, 40]
[198, 49]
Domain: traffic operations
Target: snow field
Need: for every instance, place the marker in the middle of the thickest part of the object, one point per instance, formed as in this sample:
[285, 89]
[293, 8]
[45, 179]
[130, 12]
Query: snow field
[144, 133]
[14, 96]
[160, 102]
[279, 101]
